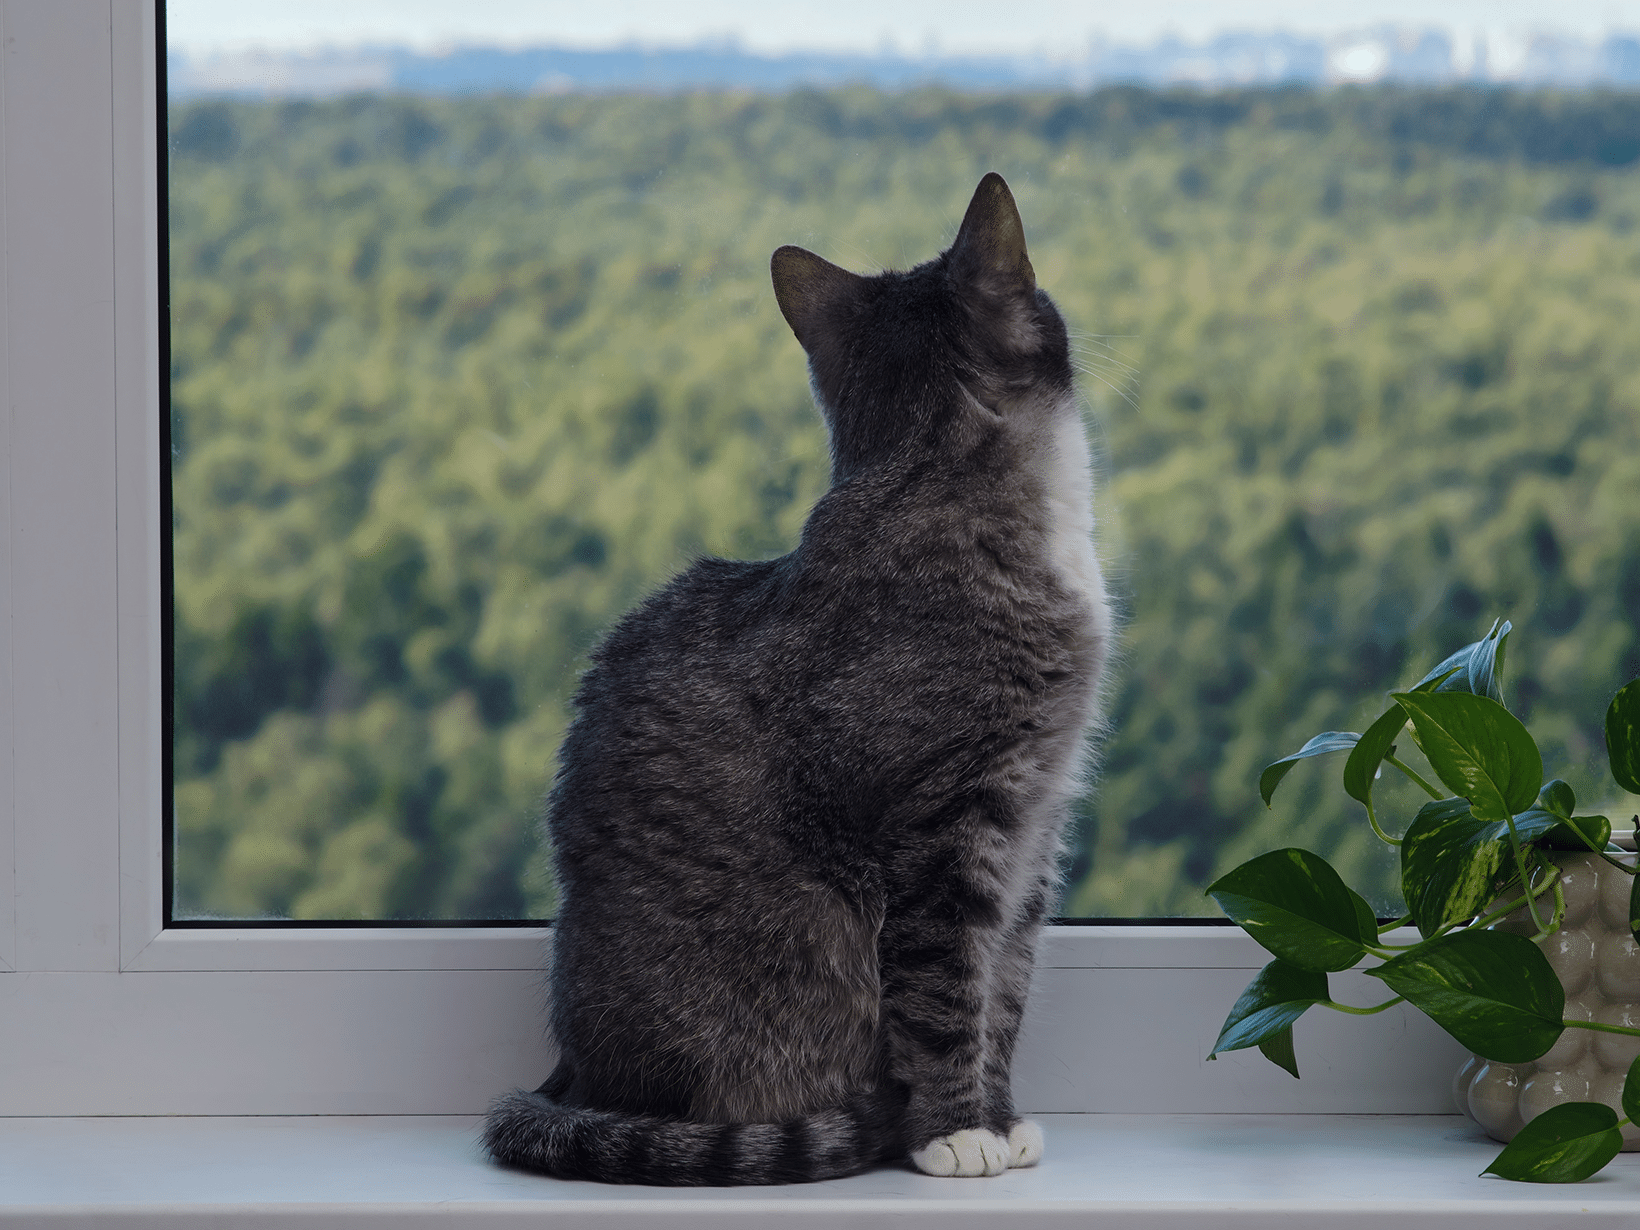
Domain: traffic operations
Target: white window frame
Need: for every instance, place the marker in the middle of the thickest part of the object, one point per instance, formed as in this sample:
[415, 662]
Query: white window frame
[103, 1010]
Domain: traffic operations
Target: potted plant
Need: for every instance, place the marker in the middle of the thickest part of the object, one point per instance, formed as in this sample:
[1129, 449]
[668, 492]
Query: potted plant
[1474, 855]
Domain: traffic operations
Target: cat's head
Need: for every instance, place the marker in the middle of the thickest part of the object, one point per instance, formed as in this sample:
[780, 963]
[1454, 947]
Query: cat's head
[933, 357]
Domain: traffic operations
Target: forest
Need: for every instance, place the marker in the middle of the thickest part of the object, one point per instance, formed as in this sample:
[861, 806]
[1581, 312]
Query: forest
[454, 381]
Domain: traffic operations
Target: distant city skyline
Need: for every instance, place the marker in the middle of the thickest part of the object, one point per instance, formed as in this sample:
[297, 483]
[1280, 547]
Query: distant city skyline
[204, 28]
[1400, 54]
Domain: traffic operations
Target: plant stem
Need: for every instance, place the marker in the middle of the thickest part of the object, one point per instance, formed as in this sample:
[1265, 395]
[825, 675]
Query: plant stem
[1525, 879]
[1372, 819]
[1422, 940]
[1502, 911]
[1555, 919]
[1399, 922]
[1600, 1025]
[1621, 866]
[1433, 793]
[1327, 1003]
[1560, 906]
[1594, 849]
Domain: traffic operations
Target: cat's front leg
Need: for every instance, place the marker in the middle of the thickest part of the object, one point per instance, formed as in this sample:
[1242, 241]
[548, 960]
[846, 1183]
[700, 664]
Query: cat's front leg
[1009, 989]
[936, 950]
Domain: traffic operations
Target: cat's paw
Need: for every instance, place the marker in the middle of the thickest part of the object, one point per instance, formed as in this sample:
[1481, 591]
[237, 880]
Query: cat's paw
[964, 1154]
[1024, 1144]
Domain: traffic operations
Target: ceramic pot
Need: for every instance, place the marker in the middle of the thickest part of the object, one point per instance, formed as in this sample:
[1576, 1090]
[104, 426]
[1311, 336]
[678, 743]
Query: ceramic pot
[1598, 963]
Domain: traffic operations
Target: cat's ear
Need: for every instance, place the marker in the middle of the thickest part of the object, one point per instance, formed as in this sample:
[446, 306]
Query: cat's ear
[989, 250]
[805, 285]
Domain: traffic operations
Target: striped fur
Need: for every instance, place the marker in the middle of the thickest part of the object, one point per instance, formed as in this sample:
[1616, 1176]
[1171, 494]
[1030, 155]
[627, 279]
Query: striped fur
[533, 1131]
[807, 820]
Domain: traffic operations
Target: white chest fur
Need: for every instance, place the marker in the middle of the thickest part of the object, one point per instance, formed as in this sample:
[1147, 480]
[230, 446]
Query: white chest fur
[1070, 513]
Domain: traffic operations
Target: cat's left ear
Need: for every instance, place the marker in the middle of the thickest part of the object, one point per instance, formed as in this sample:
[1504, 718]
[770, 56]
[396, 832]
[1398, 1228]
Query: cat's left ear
[989, 250]
[805, 287]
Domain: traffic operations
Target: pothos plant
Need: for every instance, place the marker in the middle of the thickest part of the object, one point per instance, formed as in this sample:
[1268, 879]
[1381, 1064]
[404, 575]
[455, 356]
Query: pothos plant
[1468, 859]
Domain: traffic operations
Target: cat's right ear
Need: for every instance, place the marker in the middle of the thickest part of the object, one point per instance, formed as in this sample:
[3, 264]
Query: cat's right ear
[989, 250]
[805, 286]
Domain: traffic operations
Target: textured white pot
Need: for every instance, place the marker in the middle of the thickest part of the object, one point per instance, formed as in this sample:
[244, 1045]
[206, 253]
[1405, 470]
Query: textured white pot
[1598, 963]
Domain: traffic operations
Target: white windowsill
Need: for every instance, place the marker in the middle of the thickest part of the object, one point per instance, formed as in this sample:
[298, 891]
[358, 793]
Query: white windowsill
[1149, 1171]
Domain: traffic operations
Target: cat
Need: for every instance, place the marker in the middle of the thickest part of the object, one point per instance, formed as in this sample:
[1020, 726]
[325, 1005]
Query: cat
[807, 820]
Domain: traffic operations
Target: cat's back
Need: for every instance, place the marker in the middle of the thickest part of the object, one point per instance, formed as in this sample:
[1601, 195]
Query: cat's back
[672, 696]
[926, 618]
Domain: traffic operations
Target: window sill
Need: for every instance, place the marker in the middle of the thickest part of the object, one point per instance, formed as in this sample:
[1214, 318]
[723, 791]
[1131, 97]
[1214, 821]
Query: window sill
[1125, 1170]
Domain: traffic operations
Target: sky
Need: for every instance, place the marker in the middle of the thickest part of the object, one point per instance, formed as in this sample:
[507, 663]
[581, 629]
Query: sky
[205, 27]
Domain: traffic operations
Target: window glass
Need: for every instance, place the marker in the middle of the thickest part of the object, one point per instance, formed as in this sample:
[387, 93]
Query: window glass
[470, 349]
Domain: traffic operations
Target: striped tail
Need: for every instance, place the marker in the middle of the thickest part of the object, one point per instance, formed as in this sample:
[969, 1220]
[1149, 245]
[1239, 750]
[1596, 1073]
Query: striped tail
[532, 1131]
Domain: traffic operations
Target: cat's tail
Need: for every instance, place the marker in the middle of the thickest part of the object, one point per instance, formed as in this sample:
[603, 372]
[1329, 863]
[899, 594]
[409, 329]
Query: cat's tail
[535, 1132]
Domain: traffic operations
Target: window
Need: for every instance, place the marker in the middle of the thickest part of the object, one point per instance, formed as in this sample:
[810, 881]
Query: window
[456, 377]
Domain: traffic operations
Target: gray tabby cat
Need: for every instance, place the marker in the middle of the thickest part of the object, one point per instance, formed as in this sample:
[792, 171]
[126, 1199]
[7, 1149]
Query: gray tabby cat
[807, 820]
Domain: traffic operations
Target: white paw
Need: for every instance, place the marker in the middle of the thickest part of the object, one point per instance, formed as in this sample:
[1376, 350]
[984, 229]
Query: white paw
[1024, 1144]
[964, 1154]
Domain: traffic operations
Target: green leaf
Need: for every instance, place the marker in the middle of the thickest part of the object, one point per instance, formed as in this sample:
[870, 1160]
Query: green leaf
[1479, 749]
[1268, 1007]
[1531, 825]
[1623, 736]
[1365, 916]
[1564, 1144]
[1557, 798]
[1295, 905]
[1449, 861]
[1493, 991]
[1553, 808]
[1631, 1091]
[1576, 833]
[1474, 668]
[1557, 802]
[1361, 768]
[1279, 1051]
[1330, 741]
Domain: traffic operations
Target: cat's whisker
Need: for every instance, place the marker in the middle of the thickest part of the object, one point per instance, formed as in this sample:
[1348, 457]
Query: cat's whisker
[1124, 394]
[1110, 352]
[1100, 341]
[1090, 340]
[1105, 363]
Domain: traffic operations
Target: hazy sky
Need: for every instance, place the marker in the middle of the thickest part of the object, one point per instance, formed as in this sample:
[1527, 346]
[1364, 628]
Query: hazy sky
[203, 26]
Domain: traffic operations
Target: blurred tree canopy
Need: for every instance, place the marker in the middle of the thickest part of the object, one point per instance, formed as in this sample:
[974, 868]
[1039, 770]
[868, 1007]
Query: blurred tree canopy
[454, 381]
